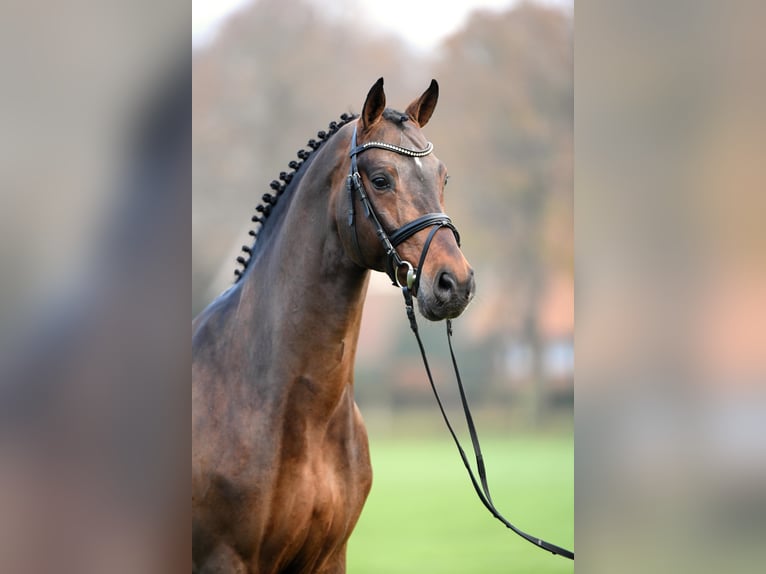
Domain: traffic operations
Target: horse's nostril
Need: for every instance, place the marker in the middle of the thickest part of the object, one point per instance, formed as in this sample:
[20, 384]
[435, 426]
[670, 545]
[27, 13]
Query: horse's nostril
[447, 283]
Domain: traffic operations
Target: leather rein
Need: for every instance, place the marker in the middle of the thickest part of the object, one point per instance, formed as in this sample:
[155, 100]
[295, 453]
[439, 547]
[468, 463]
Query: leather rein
[393, 263]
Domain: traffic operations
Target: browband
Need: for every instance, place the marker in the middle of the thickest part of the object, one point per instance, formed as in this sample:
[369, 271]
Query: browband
[395, 148]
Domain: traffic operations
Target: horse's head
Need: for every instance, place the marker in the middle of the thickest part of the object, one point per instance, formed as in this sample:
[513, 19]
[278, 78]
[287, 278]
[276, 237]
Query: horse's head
[392, 216]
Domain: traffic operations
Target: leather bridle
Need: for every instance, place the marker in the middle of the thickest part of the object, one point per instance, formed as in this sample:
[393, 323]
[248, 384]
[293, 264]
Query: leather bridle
[393, 263]
[390, 240]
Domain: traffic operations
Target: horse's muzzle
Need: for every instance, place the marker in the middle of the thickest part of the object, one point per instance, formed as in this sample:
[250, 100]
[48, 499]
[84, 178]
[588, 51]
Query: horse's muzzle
[445, 295]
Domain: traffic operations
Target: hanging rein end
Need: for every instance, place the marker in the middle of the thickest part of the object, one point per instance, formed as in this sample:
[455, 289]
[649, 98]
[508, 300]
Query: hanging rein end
[555, 550]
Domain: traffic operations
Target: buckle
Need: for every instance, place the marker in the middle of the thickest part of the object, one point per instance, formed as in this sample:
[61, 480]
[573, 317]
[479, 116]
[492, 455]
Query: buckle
[411, 275]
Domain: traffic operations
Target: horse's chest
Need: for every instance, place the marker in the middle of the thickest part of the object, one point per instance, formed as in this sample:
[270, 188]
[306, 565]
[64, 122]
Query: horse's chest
[316, 505]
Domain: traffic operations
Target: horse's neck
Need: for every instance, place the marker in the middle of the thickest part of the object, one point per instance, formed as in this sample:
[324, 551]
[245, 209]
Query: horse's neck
[303, 298]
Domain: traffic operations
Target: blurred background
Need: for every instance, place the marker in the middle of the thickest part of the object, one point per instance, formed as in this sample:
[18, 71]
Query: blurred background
[267, 76]
[276, 72]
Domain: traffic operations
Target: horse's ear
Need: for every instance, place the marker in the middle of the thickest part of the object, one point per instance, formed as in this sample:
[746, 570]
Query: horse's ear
[421, 109]
[373, 105]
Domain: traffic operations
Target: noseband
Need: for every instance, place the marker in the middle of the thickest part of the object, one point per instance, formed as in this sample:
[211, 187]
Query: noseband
[391, 240]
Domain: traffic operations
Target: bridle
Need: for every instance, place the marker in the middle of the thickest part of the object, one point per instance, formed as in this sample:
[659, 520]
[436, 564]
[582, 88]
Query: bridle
[390, 240]
[393, 263]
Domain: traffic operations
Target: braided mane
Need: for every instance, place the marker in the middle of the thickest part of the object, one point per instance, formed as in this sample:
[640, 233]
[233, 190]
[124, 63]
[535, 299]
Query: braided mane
[270, 200]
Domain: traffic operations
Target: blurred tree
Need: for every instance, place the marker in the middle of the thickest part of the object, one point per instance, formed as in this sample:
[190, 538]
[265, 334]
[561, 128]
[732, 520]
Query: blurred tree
[508, 93]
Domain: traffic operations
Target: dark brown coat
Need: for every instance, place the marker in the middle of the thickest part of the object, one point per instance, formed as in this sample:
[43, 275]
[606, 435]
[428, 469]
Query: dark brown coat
[280, 463]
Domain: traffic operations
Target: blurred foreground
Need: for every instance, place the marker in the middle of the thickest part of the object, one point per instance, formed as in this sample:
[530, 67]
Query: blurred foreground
[94, 224]
[671, 287]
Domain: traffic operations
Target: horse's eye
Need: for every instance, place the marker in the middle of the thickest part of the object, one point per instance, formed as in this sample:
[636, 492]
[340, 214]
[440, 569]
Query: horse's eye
[380, 182]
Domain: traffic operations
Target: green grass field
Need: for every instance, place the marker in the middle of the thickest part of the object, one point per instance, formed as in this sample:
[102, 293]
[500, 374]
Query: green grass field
[423, 515]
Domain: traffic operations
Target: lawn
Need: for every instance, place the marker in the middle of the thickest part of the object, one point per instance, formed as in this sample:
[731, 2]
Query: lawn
[423, 515]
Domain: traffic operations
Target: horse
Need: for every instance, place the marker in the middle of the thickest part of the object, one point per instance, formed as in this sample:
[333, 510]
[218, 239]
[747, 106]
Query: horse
[280, 457]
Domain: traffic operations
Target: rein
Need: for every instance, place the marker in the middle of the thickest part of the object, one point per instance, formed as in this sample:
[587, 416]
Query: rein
[482, 490]
[393, 263]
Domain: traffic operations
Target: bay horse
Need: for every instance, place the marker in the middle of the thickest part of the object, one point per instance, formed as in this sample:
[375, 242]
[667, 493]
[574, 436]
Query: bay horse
[280, 458]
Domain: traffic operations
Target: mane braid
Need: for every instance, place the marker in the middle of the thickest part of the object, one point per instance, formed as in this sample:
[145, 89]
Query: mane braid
[269, 200]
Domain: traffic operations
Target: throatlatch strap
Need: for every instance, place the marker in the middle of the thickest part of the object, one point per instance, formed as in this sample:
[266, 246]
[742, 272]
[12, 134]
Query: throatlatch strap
[482, 490]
